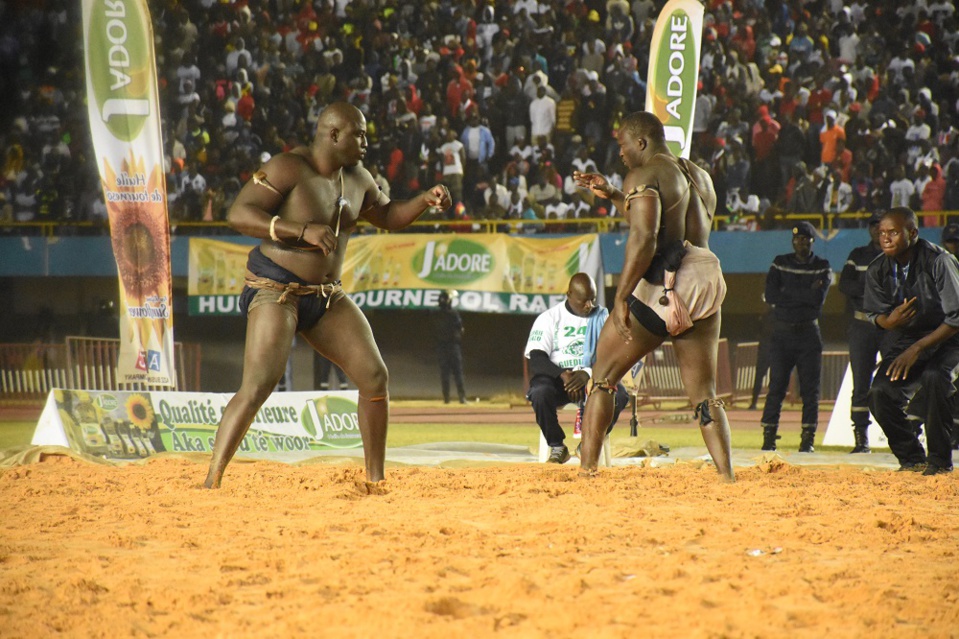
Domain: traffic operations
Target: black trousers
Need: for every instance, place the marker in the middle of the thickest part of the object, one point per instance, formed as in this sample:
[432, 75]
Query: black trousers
[450, 357]
[796, 346]
[547, 395]
[927, 394]
[864, 338]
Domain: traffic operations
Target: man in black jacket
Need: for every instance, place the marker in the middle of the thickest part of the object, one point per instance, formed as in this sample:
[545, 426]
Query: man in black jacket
[796, 287]
[448, 332]
[913, 293]
[864, 335]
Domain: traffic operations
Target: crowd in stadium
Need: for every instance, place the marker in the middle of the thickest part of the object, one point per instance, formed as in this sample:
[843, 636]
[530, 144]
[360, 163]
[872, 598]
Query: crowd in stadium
[803, 106]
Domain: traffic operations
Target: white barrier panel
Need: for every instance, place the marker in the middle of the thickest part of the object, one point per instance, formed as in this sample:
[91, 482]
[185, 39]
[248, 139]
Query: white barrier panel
[130, 425]
[839, 430]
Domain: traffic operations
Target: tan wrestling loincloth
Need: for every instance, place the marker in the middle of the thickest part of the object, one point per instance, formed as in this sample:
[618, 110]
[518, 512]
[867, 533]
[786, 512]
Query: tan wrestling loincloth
[699, 284]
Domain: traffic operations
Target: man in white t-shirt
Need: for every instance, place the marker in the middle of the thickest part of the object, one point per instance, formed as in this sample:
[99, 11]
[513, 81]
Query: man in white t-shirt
[555, 350]
[453, 158]
[901, 188]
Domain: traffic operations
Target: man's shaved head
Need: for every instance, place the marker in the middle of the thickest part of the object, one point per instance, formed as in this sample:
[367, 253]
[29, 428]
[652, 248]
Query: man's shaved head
[337, 116]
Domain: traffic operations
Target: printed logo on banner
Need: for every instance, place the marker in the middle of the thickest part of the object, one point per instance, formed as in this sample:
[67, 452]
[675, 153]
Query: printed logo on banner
[141, 364]
[154, 360]
[121, 88]
[332, 420]
[452, 262]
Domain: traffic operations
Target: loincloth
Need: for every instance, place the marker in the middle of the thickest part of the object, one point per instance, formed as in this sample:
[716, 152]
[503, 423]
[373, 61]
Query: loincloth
[699, 283]
[267, 282]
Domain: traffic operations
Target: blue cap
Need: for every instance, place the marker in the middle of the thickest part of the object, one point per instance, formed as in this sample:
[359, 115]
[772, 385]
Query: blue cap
[804, 228]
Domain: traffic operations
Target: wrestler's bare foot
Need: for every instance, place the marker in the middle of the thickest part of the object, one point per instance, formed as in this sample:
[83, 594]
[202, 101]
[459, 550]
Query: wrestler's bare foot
[372, 487]
[213, 480]
[588, 472]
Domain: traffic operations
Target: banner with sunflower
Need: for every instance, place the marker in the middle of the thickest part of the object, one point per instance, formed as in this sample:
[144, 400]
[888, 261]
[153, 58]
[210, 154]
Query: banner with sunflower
[131, 425]
[124, 116]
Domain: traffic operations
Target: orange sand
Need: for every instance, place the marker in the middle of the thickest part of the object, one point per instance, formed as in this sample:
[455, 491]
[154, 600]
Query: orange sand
[513, 551]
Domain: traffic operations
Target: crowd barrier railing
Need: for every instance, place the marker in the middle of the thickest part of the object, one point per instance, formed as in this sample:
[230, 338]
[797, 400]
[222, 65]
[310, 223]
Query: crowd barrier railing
[28, 372]
[823, 221]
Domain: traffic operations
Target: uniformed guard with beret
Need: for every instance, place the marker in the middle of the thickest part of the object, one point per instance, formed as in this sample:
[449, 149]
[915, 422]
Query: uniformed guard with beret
[864, 336]
[796, 287]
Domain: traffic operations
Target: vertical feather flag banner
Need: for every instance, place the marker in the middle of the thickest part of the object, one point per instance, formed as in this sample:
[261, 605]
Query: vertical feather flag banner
[124, 114]
[673, 72]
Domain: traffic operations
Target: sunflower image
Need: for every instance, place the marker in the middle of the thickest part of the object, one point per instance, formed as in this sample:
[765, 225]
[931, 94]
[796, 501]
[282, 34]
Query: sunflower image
[140, 412]
[140, 237]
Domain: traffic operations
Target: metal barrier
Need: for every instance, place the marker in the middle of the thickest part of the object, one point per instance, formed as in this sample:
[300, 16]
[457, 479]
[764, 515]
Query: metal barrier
[28, 372]
[833, 369]
[92, 365]
[822, 221]
[745, 362]
[661, 380]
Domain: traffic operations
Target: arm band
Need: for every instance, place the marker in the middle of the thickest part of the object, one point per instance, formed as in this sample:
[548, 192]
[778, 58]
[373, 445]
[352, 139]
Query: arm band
[259, 178]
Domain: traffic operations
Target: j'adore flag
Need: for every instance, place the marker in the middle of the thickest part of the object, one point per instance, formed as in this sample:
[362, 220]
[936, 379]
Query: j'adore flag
[674, 71]
[124, 118]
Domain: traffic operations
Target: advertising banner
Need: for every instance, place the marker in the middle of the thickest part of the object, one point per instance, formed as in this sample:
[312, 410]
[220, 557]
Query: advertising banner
[124, 118]
[494, 273]
[215, 276]
[128, 425]
[674, 71]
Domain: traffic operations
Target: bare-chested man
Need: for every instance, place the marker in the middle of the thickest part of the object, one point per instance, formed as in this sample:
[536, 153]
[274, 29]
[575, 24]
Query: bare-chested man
[304, 205]
[669, 205]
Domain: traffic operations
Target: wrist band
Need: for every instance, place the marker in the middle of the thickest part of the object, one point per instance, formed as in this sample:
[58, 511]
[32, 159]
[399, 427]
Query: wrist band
[273, 235]
[302, 232]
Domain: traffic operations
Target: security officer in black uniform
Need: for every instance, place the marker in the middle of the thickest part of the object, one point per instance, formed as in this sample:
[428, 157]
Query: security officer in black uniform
[796, 287]
[448, 333]
[864, 336]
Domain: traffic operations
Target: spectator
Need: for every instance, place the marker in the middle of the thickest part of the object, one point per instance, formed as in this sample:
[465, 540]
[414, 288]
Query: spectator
[542, 115]
[933, 196]
[901, 189]
[829, 137]
[480, 146]
[839, 197]
[452, 155]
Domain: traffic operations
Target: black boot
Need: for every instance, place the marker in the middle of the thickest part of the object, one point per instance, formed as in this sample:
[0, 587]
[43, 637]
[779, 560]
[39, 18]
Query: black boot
[807, 438]
[862, 439]
[770, 436]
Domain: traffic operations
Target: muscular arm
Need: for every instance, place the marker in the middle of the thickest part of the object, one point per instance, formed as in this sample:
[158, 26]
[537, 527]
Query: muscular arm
[256, 204]
[393, 215]
[600, 187]
[644, 215]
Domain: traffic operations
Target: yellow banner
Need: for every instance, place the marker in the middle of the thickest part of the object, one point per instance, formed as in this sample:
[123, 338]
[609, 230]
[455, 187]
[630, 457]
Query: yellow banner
[215, 278]
[491, 273]
[124, 118]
